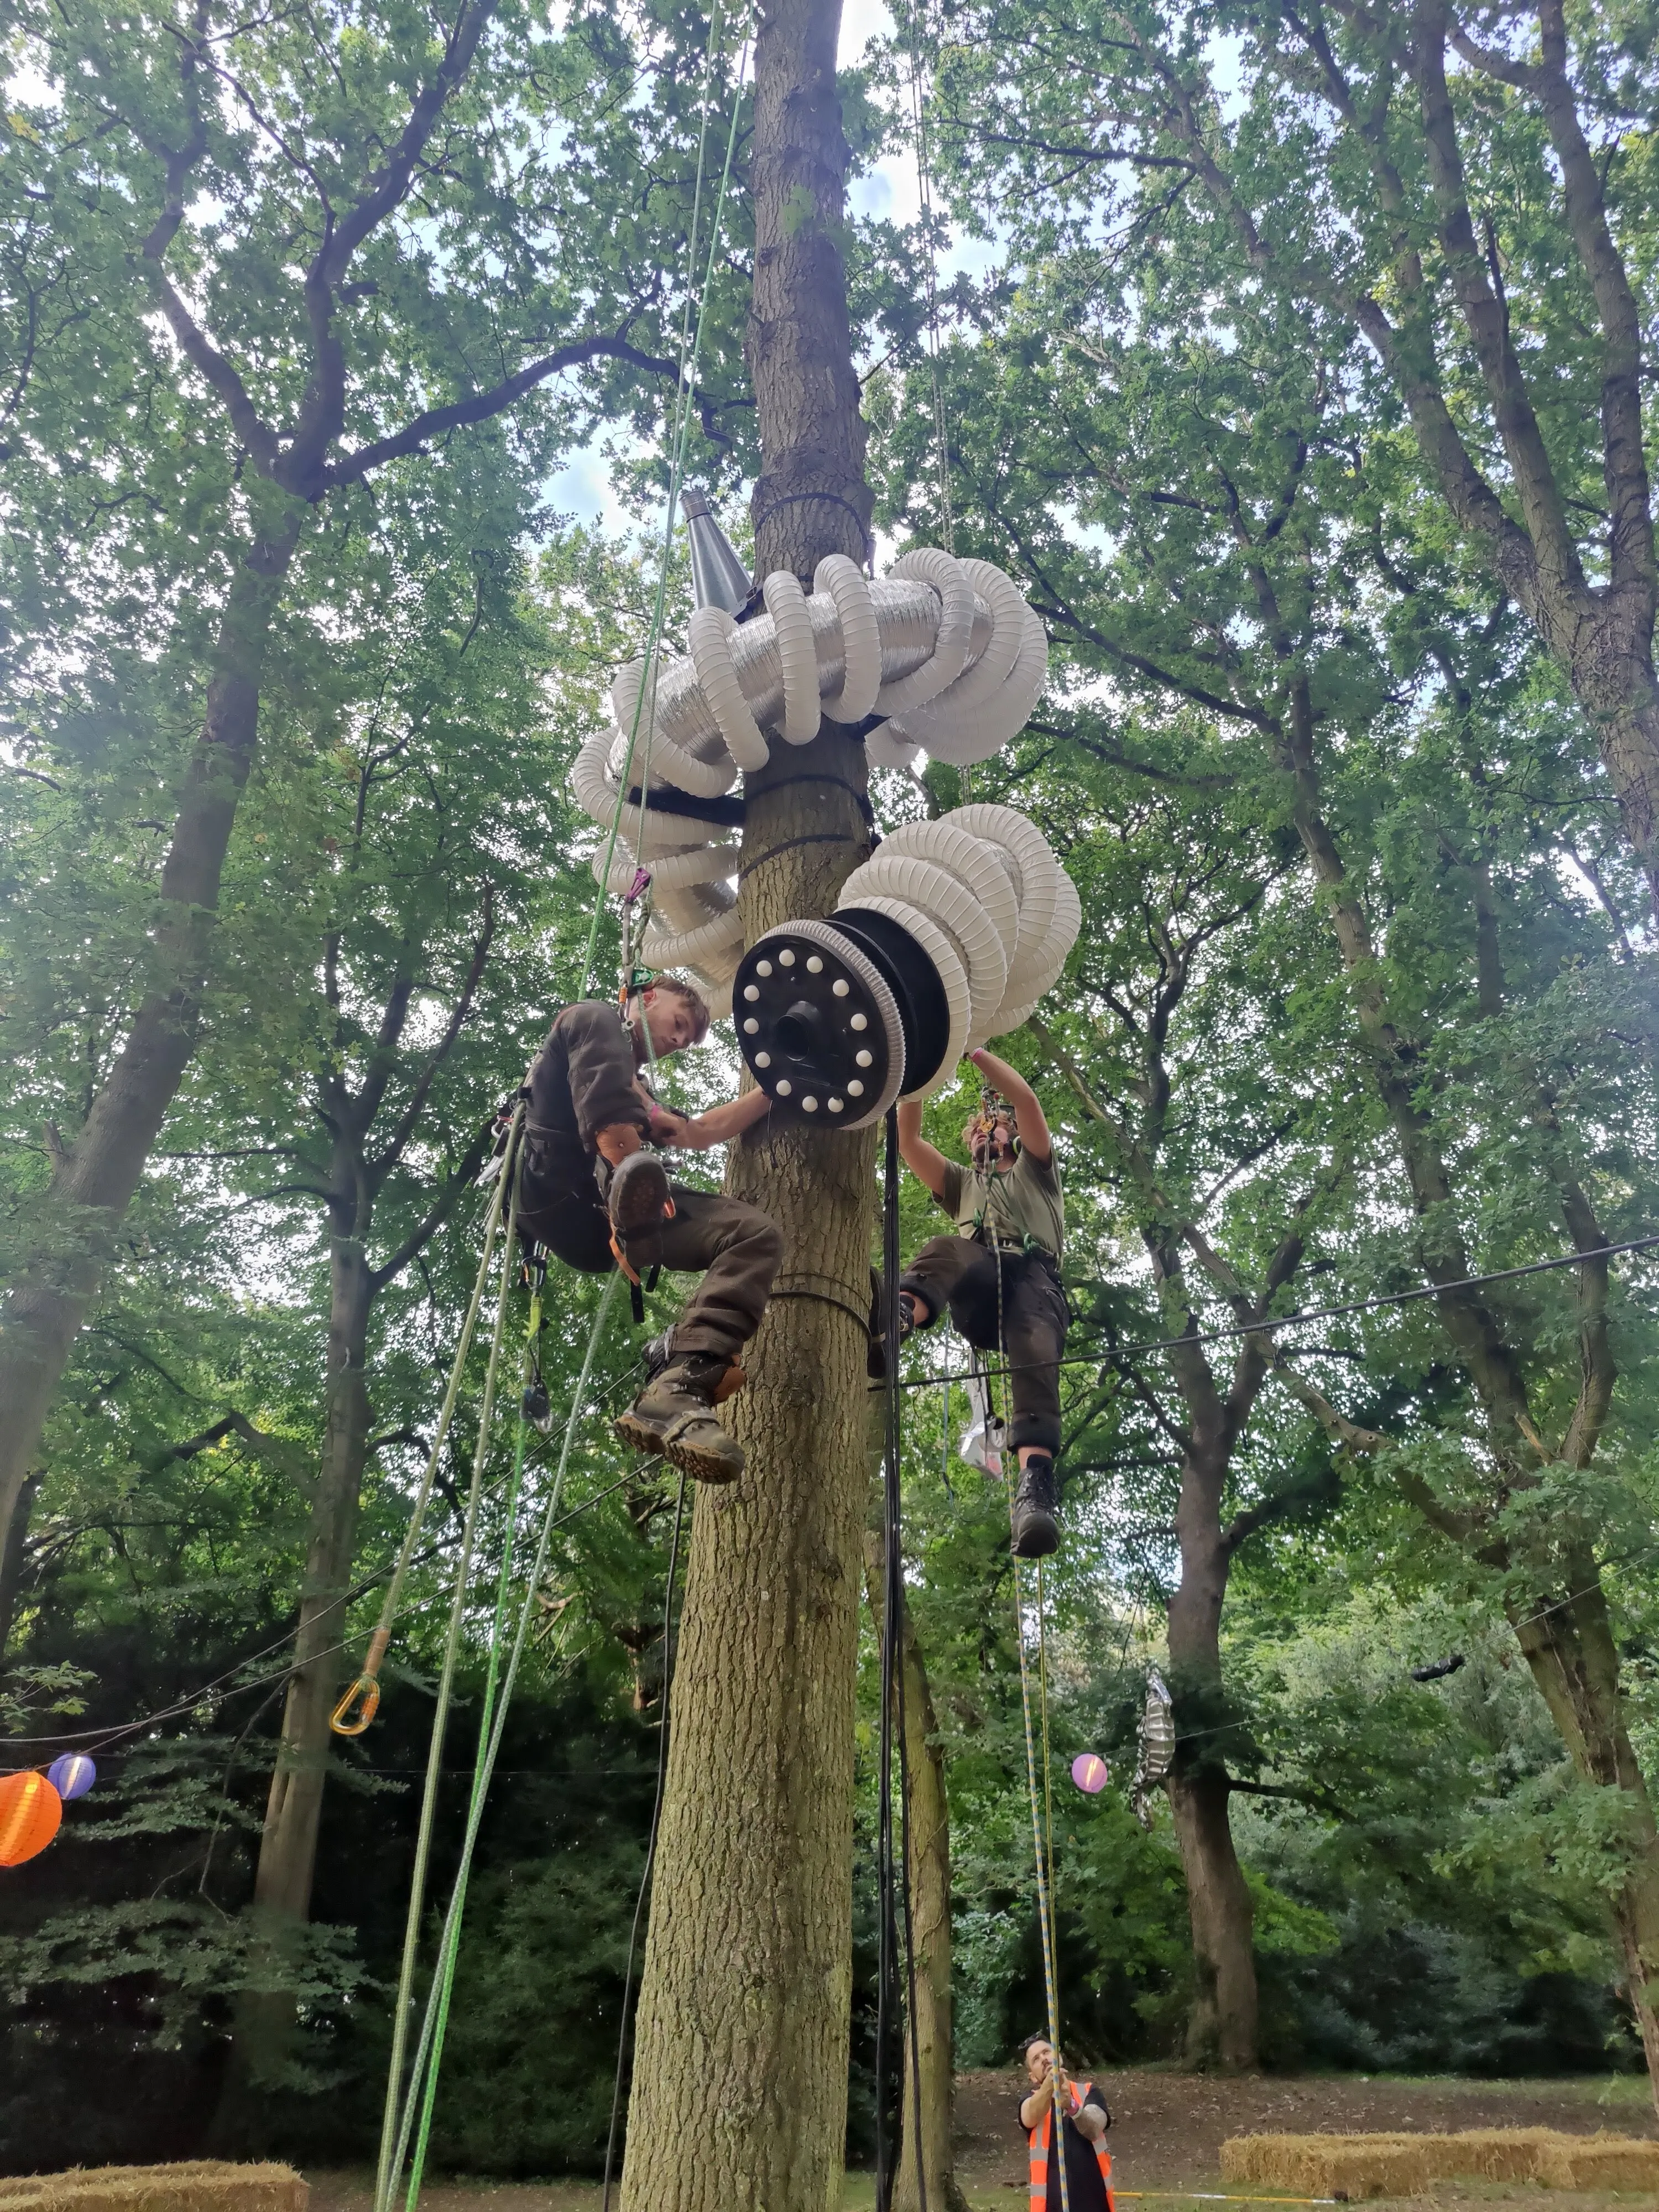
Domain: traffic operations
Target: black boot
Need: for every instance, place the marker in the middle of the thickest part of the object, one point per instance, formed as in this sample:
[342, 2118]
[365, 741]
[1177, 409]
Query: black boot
[1036, 1519]
[674, 1415]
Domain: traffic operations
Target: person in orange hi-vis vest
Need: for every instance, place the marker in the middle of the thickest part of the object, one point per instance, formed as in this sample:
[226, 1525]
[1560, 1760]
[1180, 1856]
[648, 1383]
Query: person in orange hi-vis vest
[1088, 2166]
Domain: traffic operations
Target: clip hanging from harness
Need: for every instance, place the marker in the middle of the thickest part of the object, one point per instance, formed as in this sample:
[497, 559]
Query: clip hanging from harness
[993, 1109]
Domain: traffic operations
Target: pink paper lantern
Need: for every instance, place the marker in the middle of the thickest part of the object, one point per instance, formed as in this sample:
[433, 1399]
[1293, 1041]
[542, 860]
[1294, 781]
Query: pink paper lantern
[1090, 1772]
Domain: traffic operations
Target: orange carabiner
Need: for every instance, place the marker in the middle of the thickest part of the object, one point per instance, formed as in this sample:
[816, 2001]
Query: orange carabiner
[364, 1694]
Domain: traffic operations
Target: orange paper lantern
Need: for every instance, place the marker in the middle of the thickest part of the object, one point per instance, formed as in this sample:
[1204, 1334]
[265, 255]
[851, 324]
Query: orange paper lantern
[30, 1810]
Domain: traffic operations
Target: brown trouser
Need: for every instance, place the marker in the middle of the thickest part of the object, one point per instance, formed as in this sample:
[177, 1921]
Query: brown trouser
[737, 1244]
[1026, 1308]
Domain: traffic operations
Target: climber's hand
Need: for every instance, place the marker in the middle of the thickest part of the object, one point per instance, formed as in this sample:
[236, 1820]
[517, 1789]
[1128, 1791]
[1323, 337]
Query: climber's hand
[668, 1127]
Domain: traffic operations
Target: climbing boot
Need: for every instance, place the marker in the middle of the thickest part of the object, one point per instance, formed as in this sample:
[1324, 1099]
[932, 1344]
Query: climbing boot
[1036, 1518]
[638, 1195]
[674, 1416]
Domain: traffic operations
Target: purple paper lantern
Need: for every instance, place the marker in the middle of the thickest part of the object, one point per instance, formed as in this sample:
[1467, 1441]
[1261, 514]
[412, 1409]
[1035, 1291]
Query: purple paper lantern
[74, 1774]
[1090, 1772]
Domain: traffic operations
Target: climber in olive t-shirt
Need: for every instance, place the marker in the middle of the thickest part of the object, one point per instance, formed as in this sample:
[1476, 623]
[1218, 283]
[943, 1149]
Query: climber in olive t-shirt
[999, 1274]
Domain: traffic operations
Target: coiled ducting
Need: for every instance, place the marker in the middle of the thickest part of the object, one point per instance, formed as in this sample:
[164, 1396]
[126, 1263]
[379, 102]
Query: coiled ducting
[946, 650]
[949, 934]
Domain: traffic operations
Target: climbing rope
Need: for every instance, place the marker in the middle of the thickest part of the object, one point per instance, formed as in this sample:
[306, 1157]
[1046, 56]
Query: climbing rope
[894, 1881]
[645, 703]
[400, 2114]
[358, 1707]
[925, 205]
[441, 1716]
[398, 2121]
[1043, 1809]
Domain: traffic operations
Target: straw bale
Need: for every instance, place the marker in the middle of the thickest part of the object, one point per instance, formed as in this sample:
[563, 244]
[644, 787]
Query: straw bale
[192, 2185]
[1599, 2161]
[1384, 2165]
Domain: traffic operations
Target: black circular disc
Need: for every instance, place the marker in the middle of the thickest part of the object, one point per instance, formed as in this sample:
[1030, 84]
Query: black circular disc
[819, 1025]
[924, 1009]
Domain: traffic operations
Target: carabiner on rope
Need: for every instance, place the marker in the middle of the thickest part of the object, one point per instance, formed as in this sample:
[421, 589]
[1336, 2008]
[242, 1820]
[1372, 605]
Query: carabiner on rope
[362, 1700]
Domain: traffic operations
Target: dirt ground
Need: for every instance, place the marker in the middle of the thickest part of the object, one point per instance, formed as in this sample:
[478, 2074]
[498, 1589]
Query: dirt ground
[1166, 2138]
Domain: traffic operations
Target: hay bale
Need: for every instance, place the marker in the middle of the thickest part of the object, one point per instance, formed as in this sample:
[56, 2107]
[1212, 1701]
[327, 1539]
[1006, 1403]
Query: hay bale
[1599, 2161]
[192, 2185]
[1384, 2165]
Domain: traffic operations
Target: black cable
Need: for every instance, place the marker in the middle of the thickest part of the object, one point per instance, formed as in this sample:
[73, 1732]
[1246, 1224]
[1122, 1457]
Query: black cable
[101, 1737]
[651, 1844]
[1300, 1319]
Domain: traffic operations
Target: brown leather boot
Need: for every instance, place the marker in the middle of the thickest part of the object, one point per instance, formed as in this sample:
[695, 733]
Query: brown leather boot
[674, 1416]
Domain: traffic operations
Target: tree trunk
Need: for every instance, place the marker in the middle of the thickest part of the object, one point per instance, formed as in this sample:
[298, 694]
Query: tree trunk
[930, 1913]
[1223, 2030]
[265, 2020]
[11, 1557]
[94, 1184]
[288, 1846]
[739, 2097]
[1575, 1663]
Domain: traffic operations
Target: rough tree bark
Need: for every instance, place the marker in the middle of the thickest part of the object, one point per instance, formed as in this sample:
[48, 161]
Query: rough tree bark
[740, 2068]
[1222, 2030]
[930, 1914]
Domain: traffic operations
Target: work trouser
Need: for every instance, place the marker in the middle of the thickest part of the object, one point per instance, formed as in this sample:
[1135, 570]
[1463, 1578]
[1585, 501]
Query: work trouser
[736, 1245]
[1026, 1307]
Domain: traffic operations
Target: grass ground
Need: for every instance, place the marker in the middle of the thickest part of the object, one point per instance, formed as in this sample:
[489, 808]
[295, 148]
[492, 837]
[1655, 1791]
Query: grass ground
[1166, 2138]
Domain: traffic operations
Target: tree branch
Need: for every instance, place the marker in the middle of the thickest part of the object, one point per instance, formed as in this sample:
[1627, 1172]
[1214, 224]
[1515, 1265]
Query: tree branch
[392, 1153]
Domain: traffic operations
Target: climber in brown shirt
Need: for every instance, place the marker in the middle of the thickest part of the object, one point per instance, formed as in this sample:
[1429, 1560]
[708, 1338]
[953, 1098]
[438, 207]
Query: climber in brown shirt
[594, 1188]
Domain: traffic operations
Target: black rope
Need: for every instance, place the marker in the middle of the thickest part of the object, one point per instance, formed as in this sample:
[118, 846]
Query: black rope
[651, 1844]
[895, 1881]
[822, 499]
[1301, 1318]
[812, 837]
[824, 1298]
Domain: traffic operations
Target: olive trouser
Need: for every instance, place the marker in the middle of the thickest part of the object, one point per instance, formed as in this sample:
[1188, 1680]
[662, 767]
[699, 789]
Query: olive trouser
[1008, 1301]
[737, 1244]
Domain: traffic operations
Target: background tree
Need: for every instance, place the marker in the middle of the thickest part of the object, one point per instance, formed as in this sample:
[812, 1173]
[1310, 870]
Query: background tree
[245, 185]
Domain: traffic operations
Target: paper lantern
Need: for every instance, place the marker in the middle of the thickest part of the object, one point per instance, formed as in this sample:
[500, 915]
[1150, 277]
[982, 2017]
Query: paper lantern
[1090, 1772]
[30, 1810]
[71, 1775]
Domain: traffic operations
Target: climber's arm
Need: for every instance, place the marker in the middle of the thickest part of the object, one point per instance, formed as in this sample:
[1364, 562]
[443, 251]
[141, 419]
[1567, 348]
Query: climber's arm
[1033, 1139]
[925, 1161]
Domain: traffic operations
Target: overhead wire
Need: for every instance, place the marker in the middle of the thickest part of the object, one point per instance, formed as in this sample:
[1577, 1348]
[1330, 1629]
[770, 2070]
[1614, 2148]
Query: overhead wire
[1302, 1318]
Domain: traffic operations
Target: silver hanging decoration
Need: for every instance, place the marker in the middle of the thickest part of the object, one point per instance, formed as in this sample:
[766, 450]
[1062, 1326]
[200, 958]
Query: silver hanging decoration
[1157, 1745]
